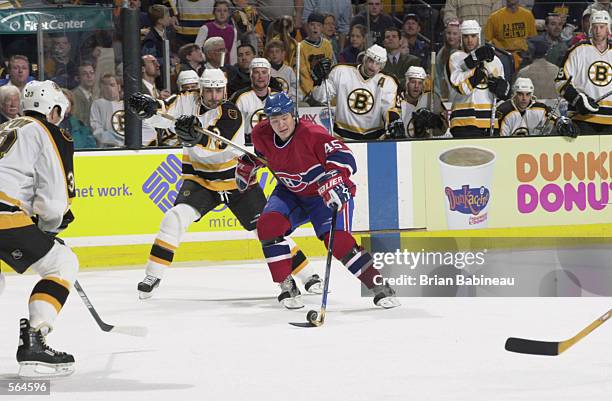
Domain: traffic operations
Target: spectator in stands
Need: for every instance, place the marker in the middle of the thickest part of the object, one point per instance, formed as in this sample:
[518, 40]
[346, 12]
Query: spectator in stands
[153, 42]
[9, 102]
[105, 121]
[191, 58]
[18, 72]
[378, 22]
[552, 35]
[313, 49]
[221, 27]
[81, 133]
[59, 66]
[191, 15]
[284, 75]
[600, 5]
[340, 9]
[238, 76]
[272, 10]
[541, 72]
[83, 94]
[356, 45]
[397, 63]
[417, 47]
[462, 10]
[248, 24]
[145, 22]
[329, 33]
[510, 27]
[282, 29]
[585, 24]
[150, 72]
[452, 41]
[213, 49]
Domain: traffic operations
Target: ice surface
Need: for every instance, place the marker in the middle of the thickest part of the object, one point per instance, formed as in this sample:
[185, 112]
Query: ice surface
[218, 333]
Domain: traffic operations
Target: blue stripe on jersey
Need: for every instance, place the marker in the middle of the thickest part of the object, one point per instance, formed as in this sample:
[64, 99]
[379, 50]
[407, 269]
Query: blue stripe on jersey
[344, 158]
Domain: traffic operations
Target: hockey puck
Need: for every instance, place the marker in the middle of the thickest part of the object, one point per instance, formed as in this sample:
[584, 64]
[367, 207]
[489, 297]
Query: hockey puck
[311, 316]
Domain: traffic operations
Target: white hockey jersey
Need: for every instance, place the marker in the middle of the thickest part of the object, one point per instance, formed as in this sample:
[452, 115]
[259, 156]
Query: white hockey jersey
[186, 103]
[513, 122]
[251, 106]
[363, 106]
[287, 78]
[36, 173]
[107, 120]
[408, 108]
[591, 73]
[471, 106]
[211, 163]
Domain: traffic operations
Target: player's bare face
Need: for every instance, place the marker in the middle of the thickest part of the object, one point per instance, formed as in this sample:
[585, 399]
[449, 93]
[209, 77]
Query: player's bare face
[522, 100]
[414, 88]
[260, 78]
[599, 32]
[212, 97]
[283, 125]
[189, 87]
[371, 67]
[470, 42]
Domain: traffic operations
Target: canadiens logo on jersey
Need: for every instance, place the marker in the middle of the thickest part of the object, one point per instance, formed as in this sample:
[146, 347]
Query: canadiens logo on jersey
[360, 101]
[293, 182]
[600, 73]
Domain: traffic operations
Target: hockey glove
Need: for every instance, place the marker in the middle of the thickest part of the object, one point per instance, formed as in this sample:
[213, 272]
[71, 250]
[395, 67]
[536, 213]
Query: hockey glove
[144, 106]
[499, 87]
[584, 104]
[396, 129]
[246, 169]
[483, 54]
[566, 127]
[479, 76]
[185, 127]
[320, 71]
[334, 190]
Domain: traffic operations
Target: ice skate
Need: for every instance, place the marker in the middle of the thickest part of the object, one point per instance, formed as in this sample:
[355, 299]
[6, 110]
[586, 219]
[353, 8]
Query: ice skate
[314, 285]
[146, 286]
[384, 296]
[290, 296]
[36, 359]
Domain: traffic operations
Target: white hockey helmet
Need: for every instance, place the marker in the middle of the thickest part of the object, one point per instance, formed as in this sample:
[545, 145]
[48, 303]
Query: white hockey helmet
[187, 77]
[213, 78]
[415, 72]
[42, 97]
[377, 53]
[600, 17]
[470, 27]
[523, 85]
[259, 62]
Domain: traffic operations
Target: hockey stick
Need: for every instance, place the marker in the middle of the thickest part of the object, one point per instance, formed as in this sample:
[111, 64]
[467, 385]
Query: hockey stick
[314, 319]
[128, 330]
[493, 112]
[552, 348]
[331, 118]
[602, 97]
[297, 79]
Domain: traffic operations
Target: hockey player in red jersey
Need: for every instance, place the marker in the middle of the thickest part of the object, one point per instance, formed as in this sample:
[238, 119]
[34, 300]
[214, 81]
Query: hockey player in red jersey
[314, 170]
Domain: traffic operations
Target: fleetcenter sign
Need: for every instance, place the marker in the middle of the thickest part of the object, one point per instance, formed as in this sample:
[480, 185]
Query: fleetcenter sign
[56, 19]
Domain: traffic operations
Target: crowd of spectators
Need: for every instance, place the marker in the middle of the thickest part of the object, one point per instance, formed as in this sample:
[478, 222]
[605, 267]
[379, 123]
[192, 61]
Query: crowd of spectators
[229, 34]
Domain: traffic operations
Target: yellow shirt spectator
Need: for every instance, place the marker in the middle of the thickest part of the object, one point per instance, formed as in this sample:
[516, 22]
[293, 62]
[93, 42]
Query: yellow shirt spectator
[509, 28]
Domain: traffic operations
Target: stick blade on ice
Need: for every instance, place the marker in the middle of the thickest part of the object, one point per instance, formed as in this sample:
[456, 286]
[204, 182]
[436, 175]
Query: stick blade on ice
[533, 347]
[135, 331]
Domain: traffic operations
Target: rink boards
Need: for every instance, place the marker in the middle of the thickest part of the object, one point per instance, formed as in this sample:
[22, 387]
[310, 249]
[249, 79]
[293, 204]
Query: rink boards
[536, 183]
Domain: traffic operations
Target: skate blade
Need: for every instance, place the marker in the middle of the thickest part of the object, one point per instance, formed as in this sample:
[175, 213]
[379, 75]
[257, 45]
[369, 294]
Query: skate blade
[292, 303]
[144, 295]
[389, 303]
[43, 370]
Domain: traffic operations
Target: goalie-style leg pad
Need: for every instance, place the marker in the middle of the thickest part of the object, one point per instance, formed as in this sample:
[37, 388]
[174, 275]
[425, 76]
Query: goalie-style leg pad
[357, 260]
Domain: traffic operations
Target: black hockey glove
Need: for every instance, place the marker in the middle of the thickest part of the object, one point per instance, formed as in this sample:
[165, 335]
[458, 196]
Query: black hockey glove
[144, 106]
[320, 71]
[581, 102]
[499, 87]
[185, 127]
[396, 129]
[479, 76]
[483, 54]
[566, 127]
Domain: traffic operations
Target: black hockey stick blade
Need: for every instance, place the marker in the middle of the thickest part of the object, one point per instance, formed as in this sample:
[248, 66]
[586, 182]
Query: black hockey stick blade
[533, 347]
[305, 324]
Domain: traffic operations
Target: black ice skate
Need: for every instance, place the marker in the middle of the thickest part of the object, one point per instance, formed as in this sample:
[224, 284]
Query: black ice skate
[146, 286]
[314, 285]
[384, 296]
[36, 359]
[290, 295]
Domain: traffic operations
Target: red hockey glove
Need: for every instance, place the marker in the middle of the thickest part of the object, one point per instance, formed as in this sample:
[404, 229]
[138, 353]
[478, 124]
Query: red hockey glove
[245, 171]
[334, 189]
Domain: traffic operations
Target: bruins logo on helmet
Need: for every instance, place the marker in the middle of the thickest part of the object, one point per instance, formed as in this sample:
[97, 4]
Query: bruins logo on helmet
[257, 116]
[118, 122]
[360, 101]
[600, 73]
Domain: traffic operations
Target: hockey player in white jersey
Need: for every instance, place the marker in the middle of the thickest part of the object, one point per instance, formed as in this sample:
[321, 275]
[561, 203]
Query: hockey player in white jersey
[366, 99]
[475, 74]
[208, 177]
[37, 182]
[585, 78]
[419, 120]
[250, 101]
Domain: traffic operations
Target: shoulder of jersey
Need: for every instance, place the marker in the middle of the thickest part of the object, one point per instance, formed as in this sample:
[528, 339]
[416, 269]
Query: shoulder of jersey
[505, 108]
[239, 93]
[540, 105]
[311, 127]
[231, 110]
[344, 65]
[578, 44]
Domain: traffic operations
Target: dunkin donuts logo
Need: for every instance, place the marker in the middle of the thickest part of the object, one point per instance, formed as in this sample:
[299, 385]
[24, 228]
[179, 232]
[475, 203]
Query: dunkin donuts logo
[467, 200]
